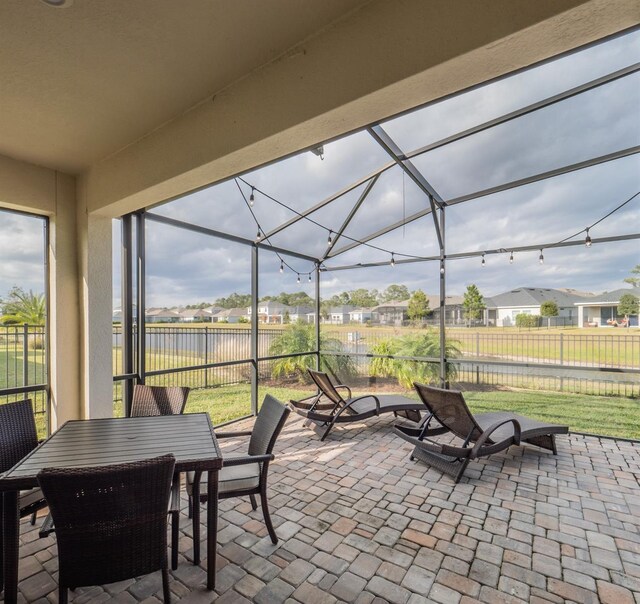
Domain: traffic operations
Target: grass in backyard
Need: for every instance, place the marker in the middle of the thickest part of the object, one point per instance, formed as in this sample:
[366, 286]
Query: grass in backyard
[609, 416]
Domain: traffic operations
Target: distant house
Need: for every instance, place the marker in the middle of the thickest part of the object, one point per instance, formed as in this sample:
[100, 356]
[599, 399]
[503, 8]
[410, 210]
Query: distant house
[503, 309]
[232, 315]
[339, 315]
[362, 315]
[301, 313]
[198, 315]
[393, 312]
[161, 315]
[270, 312]
[601, 310]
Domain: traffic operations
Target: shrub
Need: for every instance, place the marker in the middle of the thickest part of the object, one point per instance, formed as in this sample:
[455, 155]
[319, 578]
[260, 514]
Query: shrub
[524, 320]
[301, 337]
[413, 345]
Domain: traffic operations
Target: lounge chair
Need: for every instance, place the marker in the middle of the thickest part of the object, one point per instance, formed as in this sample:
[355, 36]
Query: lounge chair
[482, 435]
[328, 407]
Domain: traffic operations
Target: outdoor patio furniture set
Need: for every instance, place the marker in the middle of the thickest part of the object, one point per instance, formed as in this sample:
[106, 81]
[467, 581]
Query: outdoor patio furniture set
[109, 484]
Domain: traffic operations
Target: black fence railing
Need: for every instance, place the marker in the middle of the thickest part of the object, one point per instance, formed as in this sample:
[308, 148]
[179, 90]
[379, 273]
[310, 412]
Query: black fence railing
[23, 369]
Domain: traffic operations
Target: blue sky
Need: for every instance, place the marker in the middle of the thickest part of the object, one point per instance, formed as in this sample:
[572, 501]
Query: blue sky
[184, 267]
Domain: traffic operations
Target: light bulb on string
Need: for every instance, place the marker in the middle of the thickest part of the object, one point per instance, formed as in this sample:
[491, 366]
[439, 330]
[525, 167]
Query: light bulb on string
[298, 281]
[511, 258]
[442, 269]
[252, 197]
[282, 266]
[541, 257]
[484, 262]
[309, 277]
[393, 260]
[587, 240]
[329, 240]
[258, 236]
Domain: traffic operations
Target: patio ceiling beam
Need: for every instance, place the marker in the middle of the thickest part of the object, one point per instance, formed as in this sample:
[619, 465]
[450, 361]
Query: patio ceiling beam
[213, 233]
[352, 213]
[383, 231]
[621, 73]
[328, 200]
[480, 253]
[388, 144]
[545, 175]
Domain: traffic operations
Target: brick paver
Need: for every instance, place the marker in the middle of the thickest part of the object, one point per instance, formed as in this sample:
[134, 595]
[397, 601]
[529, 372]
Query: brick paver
[359, 522]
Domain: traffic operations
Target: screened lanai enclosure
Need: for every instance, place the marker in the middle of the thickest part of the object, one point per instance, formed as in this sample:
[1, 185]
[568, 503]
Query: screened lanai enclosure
[523, 185]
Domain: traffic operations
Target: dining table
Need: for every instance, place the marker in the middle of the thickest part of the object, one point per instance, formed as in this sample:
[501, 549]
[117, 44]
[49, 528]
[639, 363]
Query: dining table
[98, 442]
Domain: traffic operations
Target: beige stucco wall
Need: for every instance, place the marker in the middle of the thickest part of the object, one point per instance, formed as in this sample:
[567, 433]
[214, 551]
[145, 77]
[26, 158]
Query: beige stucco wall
[79, 258]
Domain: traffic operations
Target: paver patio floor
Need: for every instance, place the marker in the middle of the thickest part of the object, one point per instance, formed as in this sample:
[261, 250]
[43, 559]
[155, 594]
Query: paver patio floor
[359, 522]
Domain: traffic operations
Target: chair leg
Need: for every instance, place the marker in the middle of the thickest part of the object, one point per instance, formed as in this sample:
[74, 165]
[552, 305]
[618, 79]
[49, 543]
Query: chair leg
[175, 521]
[190, 507]
[326, 432]
[267, 517]
[34, 516]
[63, 595]
[165, 586]
[254, 503]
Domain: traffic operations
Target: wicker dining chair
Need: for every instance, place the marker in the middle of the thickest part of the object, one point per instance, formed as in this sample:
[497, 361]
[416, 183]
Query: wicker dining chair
[18, 437]
[158, 400]
[163, 400]
[111, 521]
[247, 475]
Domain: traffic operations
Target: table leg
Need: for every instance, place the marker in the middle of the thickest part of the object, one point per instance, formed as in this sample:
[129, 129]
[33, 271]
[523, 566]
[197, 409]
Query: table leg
[212, 527]
[195, 517]
[11, 534]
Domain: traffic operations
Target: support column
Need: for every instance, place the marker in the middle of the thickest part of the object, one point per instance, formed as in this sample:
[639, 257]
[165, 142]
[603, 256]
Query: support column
[94, 237]
[318, 316]
[254, 329]
[64, 308]
[443, 298]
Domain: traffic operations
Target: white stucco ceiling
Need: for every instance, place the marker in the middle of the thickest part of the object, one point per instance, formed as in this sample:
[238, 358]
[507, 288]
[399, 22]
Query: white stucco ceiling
[80, 83]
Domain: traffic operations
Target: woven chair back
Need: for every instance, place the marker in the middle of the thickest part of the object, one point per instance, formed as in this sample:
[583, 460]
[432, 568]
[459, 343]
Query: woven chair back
[450, 409]
[325, 385]
[18, 435]
[269, 423]
[158, 400]
[111, 521]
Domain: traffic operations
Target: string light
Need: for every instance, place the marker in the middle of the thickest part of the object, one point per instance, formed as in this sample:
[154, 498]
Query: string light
[511, 258]
[483, 261]
[393, 260]
[282, 266]
[259, 235]
[309, 277]
[298, 281]
[252, 197]
[329, 240]
[541, 257]
[587, 241]
[442, 270]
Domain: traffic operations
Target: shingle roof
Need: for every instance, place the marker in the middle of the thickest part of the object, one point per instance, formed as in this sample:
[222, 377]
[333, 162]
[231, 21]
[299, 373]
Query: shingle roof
[533, 296]
[612, 297]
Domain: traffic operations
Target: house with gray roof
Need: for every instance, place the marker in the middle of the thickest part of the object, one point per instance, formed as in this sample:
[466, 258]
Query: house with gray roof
[503, 309]
[601, 310]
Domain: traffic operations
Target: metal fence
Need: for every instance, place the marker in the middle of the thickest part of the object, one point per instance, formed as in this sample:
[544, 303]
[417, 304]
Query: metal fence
[176, 355]
[23, 368]
[607, 364]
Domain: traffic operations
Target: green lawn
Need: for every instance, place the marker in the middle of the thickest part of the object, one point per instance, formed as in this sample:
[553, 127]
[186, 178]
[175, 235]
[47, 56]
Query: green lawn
[609, 416]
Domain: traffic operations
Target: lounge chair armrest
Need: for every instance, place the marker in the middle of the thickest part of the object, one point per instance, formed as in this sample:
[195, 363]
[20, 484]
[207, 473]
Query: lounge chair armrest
[344, 386]
[233, 434]
[514, 439]
[360, 398]
[247, 459]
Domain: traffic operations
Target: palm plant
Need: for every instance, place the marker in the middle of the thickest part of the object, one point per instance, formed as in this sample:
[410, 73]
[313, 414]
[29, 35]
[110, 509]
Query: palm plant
[301, 337]
[22, 307]
[380, 366]
[422, 345]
